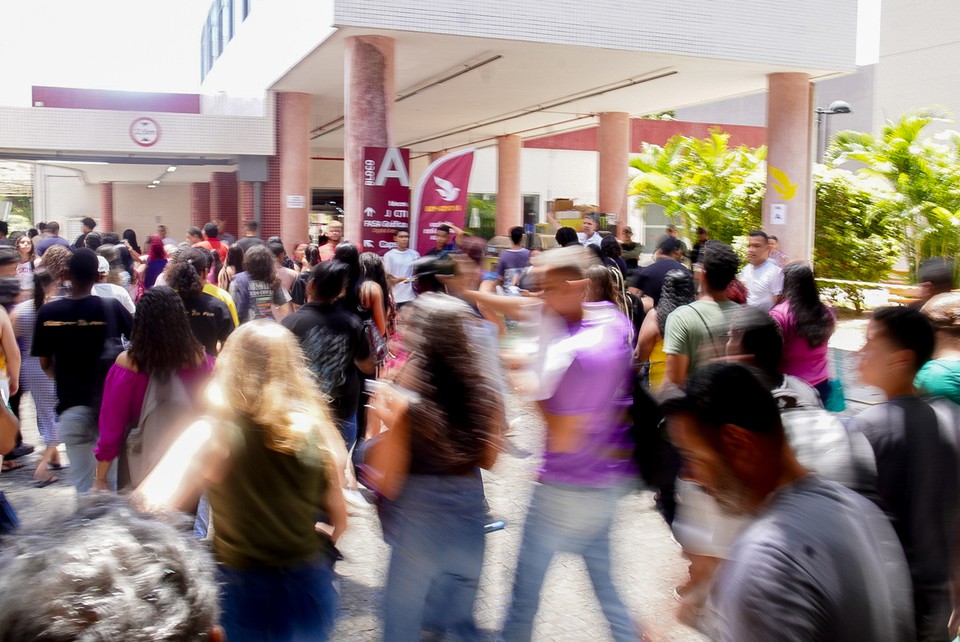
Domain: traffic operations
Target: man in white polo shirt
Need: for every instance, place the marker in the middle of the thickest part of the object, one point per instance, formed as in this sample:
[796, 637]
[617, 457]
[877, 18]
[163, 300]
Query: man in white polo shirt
[398, 264]
[762, 276]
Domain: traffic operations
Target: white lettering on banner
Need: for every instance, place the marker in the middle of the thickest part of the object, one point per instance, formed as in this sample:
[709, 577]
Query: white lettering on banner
[387, 224]
[392, 167]
[398, 204]
[369, 172]
[387, 245]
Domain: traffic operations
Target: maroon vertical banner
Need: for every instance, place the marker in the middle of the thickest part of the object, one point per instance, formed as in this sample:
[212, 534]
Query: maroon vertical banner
[441, 196]
[386, 197]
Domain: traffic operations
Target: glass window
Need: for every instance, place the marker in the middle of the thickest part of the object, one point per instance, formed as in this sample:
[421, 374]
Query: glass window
[245, 8]
[214, 22]
[205, 59]
[226, 22]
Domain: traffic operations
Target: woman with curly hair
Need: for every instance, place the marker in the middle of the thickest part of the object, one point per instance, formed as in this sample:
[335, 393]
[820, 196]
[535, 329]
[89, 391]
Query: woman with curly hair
[443, 418]
[257, 290]
[160, 323]
[55, 261]
[210, 319]
[807, 325]
[268, 456]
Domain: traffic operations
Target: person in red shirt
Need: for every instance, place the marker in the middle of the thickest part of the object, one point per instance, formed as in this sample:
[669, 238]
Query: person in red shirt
[334, 236]
[211, 242]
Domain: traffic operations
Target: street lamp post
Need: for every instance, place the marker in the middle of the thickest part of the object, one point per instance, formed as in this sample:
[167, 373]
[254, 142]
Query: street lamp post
[836, 107]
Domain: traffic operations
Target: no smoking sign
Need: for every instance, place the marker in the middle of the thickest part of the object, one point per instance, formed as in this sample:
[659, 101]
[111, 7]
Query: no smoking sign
[145, 132]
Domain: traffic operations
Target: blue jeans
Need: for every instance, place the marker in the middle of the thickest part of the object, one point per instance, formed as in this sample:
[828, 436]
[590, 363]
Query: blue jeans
[348, 430]
[572, 519]
[79, 433]
[296, 604]
[435, 528]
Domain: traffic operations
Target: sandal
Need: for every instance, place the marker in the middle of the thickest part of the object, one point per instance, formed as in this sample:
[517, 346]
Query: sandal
[11, 465]
[43, 483]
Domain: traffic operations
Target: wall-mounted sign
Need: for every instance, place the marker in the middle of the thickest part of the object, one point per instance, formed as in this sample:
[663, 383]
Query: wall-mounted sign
[386, 197]
[145, 131]
[778, 214]
[296, 201]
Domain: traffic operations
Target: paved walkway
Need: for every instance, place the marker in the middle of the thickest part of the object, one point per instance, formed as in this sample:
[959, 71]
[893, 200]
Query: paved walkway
[647, 562]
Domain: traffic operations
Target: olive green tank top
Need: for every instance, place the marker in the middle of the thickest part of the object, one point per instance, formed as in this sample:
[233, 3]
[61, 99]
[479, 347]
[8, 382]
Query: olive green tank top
[265, 508]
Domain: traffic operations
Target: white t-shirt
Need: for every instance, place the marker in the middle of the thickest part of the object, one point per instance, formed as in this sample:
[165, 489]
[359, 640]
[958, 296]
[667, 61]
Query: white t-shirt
[593, 240]
[112, 291]
[400, 266]
[764, 283]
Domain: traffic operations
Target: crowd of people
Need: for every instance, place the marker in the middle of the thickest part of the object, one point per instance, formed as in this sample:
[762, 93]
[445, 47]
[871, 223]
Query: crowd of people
[224, 388]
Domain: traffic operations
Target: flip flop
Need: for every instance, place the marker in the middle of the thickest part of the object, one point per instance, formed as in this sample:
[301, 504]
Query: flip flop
[11, 465]
[43, 483]
[57, 466]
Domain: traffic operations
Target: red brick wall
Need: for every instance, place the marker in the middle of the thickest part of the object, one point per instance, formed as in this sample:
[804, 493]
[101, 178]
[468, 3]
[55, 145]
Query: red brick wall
[199, 204]
[224, 203]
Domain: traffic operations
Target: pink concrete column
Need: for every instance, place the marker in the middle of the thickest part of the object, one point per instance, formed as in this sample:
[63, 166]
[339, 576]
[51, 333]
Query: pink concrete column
[106, 208]
[787, 203]
[369, 91]
[293, 151]
[199, 204]
[613, 143]
[509, 199]
[223, 200]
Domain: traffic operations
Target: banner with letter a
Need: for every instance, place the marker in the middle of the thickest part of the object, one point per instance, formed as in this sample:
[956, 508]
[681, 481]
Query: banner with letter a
[440, 196]
[386, 197]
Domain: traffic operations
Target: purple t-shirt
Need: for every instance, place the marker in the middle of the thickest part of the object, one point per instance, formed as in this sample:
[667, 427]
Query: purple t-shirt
[597, 383]
[511, 262]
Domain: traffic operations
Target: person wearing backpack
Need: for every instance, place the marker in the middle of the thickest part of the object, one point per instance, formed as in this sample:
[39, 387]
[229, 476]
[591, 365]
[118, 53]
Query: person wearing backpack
[150, 389]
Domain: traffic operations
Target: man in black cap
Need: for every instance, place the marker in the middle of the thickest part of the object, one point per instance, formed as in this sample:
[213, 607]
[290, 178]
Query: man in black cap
[86, 226]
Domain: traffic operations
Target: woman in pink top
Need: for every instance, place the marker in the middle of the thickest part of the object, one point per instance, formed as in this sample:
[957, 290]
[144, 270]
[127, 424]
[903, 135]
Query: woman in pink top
[162, 346]
[807, 325]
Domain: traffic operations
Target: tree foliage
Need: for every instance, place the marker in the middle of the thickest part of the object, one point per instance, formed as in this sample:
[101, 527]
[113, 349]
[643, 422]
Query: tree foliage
[923, 175]
[703, 182]
[856, 230]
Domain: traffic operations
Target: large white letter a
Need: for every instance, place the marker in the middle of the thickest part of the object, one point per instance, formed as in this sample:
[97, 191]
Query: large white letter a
[393, 167]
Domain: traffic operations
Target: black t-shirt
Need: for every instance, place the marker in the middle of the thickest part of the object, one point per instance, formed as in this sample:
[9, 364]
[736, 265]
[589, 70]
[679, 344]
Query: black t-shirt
[298, 292]
[332, 340]
[249, 241]
[73, 333]
[210, 320]
[649, 280]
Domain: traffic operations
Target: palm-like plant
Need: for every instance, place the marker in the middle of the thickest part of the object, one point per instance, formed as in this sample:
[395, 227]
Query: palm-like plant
[702, 182]
[924, 174]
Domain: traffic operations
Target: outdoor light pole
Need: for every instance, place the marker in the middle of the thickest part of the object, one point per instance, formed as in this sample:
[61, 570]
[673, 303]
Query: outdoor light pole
[836, 107]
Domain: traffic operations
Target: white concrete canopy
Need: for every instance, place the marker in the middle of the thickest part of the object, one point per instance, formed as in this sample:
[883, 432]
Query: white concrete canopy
[511, 86]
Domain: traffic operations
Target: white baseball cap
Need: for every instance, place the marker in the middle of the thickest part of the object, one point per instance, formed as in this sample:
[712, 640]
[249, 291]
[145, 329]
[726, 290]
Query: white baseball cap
[103, 266]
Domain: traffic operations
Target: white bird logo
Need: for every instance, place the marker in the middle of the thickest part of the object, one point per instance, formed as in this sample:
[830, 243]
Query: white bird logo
[447, 191]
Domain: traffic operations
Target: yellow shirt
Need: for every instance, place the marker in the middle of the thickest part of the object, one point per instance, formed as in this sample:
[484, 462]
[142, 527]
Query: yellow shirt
[223, 295]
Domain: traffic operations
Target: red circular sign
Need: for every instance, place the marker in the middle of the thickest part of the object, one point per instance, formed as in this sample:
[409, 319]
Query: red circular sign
[145, 131]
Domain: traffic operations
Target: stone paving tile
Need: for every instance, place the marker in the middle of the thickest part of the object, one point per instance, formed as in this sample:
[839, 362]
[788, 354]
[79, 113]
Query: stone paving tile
[647, 563]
